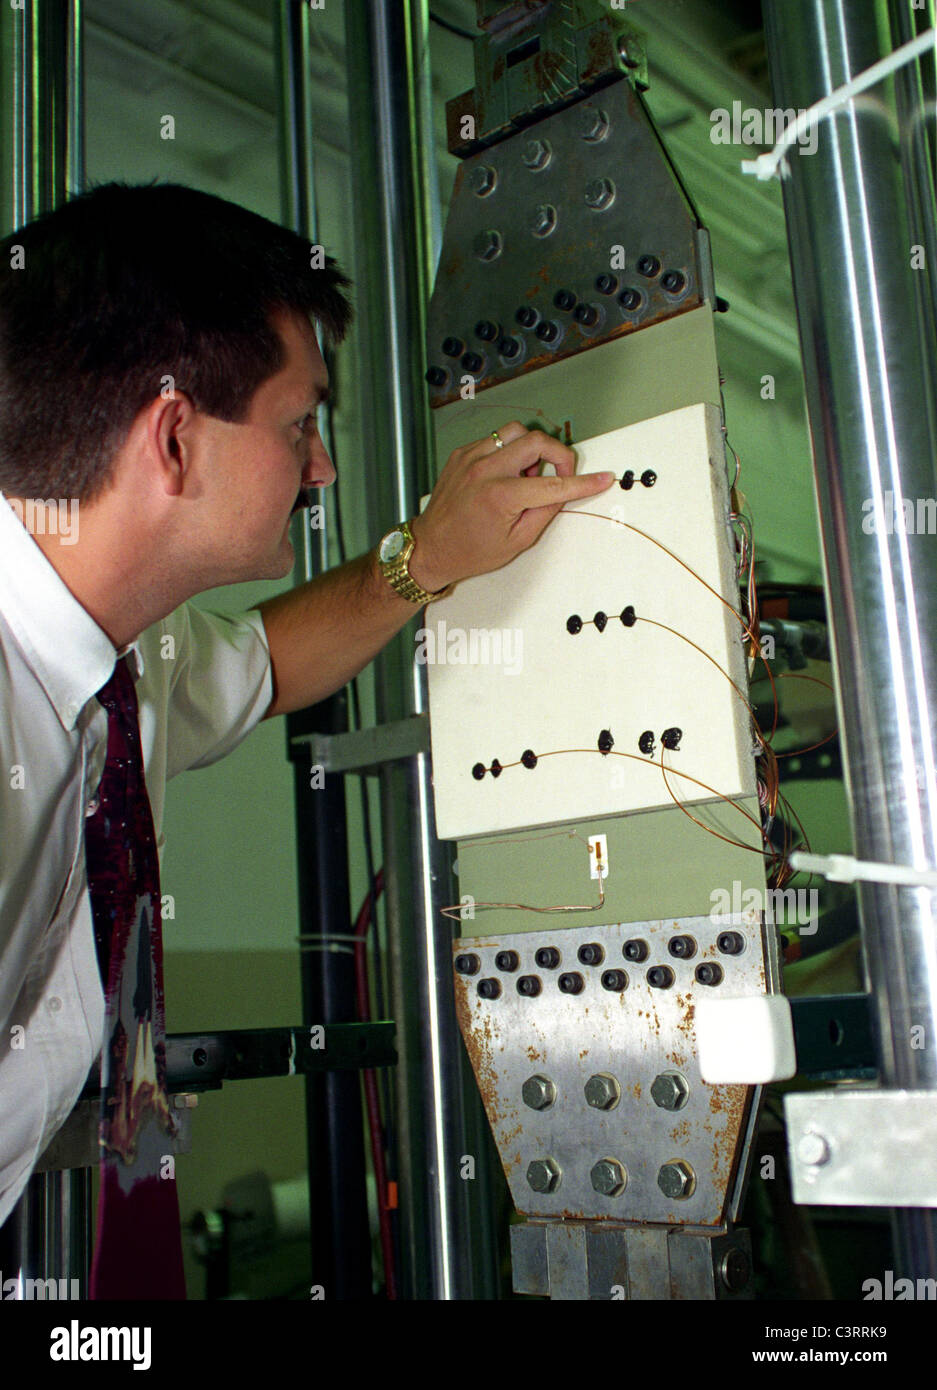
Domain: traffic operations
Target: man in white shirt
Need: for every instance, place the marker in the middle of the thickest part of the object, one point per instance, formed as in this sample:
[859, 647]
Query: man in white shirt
[159, 382]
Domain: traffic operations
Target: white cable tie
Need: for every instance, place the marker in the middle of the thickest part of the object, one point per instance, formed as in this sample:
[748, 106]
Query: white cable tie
[767, 165]
[843, 868]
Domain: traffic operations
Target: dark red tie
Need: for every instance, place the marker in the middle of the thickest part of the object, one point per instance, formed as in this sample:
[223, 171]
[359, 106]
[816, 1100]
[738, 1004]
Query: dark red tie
[138, 1252]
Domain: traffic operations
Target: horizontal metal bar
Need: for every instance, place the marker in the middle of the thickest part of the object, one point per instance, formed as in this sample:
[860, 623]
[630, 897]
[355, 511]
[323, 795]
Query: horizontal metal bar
[204, 1061]
[862, 1147]
[366, 750]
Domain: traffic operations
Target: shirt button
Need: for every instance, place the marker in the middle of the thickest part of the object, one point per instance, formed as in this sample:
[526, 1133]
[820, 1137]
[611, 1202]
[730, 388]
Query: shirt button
[55, 1004]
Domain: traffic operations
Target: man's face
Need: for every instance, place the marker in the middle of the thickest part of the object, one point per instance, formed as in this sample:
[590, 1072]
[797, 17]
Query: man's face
[256, 469]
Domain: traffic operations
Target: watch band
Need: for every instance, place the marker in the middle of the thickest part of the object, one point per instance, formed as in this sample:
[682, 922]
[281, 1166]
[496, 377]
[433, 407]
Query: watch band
[398, 574]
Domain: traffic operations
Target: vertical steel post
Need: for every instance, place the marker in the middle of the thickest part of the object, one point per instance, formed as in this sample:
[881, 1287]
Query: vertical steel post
[870, 361]
[445, 1222]
[42, 164]
[339, 1236]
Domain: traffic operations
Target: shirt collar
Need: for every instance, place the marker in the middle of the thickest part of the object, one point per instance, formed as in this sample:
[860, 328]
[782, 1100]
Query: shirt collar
[71, 656]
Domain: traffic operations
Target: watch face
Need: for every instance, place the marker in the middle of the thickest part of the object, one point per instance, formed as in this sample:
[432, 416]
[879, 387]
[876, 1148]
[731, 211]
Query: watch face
[391, 546]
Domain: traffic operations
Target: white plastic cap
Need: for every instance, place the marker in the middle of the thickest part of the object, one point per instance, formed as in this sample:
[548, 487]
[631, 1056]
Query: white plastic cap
[745, 1041]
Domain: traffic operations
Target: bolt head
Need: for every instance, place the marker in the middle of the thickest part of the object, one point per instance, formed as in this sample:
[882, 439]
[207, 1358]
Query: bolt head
[538, 1092]
[482, 180]
[602, 1091]
[487, 245]
[599, 193]
[609, 1177]
[543, 1174]
[669, 1090]
[735, 1270]
[593, 123]
[543, 219]
[537, 154]
[814, 1149]
[676, 1179]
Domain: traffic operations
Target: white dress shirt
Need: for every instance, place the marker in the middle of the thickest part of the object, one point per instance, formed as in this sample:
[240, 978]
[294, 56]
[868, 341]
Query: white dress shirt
[203, 681]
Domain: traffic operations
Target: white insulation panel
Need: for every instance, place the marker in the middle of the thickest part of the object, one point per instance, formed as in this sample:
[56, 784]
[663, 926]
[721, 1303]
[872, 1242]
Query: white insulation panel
[506, 676]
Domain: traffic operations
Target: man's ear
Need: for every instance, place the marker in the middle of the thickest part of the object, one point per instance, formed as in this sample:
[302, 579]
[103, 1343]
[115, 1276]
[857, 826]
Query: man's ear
[169, 421]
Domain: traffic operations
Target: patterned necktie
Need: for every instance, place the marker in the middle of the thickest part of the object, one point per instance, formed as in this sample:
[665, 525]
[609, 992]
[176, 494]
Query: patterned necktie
[138, 1252]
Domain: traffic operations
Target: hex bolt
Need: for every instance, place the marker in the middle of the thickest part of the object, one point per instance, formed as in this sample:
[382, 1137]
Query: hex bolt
[547, 331]
[670, 1090]
[591, 953]
[602, 1091]
[487, 331]
[593, 124]
[526, 316]
[586, 314]
[482, 180]
[571, 983]
[537, 154]
[730, 943]
[660, 977]
[544, 1174]
[673, 281]
[709, 973]
[630, 298]
[649, 266]
[507, 960]
[616, 980]
[489, 989]
[487, 245]
[676, 1179]
[538, 1092]
[599, 194]
[681, 947]
[814, 1149]
[735, 1270]
[542, 219]
[565, 300]
[473, 362]
[609, 1177]
[547, 957]
[509, 348]
[437, 376]
[467, 964]
[606, 284]
[529, 986]
[635, 950]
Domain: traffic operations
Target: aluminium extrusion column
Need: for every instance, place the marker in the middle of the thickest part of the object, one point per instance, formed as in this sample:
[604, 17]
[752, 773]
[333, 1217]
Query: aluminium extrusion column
[445, 1223]
[42, 164]
[869, 361]
[340, 1243]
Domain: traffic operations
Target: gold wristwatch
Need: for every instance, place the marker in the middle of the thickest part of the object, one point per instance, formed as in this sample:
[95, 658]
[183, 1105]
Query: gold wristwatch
[393, 555]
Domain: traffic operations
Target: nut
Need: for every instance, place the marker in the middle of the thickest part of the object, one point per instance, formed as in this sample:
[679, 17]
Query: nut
[538, 1092]
[599, 193]
[537, 154]
[814, 1149]
[593, 123]
[482, 180]
[609, 1177]
[543, 1174]
[602, 1091]
[676, 1179]
[543, 219]
[487, 245]
[670, 1090]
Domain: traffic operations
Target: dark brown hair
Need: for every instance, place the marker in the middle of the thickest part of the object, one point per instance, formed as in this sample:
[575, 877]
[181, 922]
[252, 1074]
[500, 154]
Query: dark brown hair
[122, 287]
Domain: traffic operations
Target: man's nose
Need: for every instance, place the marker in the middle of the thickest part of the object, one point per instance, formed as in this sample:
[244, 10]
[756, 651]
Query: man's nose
[321, 470]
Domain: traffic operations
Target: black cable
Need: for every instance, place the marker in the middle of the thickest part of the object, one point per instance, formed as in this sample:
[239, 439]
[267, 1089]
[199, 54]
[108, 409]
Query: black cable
[452, 28]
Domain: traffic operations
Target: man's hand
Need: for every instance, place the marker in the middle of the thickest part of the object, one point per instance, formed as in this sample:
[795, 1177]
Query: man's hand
[488, 505]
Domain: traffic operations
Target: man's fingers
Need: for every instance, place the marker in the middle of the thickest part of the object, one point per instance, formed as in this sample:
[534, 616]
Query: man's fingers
[481, 448]
[523, 493]
[524, 450]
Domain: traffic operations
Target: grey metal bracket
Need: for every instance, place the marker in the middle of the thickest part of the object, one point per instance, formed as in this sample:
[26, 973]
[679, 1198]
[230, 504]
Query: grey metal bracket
[863, 1147]
[367, 750]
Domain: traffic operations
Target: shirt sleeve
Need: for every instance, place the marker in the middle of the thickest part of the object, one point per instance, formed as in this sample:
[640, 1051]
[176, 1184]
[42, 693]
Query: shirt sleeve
[221, 684]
